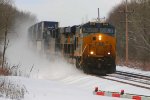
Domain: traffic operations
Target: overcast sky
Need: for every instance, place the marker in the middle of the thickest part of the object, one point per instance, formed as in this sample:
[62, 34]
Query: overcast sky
[67, 12]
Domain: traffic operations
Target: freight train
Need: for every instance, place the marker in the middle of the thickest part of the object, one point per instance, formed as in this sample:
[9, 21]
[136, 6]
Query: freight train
[92, 45]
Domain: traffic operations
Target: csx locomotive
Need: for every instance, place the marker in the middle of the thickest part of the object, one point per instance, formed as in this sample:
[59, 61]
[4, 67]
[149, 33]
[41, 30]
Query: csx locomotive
[91, 45]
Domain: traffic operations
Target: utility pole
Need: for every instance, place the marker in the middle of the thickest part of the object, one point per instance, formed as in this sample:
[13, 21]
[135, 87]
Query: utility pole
[126, 12]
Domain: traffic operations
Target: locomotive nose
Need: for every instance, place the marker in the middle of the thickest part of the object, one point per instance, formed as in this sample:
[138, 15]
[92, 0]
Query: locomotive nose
[100, 49]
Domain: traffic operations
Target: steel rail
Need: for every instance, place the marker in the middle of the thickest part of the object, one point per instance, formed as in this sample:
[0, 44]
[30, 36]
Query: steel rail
[133, 75]
[136, 85]
[143, 81]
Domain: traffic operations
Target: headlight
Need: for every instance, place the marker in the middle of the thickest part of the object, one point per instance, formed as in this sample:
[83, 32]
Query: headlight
[108, 53]
[91, 52]
[100, 37]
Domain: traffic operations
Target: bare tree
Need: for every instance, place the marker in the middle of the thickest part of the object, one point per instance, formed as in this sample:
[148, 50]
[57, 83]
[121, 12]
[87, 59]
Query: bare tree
[139, 30]
[6, 14]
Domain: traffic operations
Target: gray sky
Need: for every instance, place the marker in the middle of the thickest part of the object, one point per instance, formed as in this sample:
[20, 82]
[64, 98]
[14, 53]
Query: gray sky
[67, 12]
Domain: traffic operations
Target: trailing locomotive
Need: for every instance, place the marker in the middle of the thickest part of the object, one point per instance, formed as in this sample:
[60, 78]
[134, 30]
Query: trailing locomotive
[91, 45]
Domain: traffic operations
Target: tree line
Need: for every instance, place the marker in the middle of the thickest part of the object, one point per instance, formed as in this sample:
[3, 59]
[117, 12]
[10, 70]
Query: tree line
[9, 14]
[139, 32]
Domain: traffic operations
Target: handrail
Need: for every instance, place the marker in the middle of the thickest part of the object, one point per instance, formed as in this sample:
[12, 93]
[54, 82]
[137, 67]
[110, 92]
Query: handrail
[82, 54]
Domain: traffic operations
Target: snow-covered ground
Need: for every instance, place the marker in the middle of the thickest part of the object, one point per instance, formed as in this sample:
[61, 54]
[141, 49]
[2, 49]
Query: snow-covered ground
[40, 89]
[74, 86]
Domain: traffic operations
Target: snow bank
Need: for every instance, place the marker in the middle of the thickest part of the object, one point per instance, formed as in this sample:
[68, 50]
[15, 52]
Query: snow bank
[39, 89]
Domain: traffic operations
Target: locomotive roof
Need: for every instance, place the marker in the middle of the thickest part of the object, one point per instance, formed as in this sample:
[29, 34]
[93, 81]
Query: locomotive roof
[45, 22]
[98, 25]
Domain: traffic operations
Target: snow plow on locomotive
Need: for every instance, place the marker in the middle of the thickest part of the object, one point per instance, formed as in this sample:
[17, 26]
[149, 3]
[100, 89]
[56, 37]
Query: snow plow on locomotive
[91, 45]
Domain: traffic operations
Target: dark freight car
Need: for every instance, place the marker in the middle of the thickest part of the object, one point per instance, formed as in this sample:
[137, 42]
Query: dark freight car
[41, 34]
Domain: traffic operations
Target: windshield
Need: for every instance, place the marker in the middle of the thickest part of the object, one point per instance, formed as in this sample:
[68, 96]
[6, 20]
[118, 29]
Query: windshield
[90, 30]
[107, 30]
[97, 30]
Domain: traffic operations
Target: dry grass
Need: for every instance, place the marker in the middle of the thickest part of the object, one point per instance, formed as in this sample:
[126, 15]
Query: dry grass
[11, 90]
[8, 88]
[136, 64]
[5, 71]
[10, 71]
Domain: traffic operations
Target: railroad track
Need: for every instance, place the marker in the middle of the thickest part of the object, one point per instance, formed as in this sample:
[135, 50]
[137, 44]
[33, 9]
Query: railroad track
[133, 75]
[136, 85]
[141, 81]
